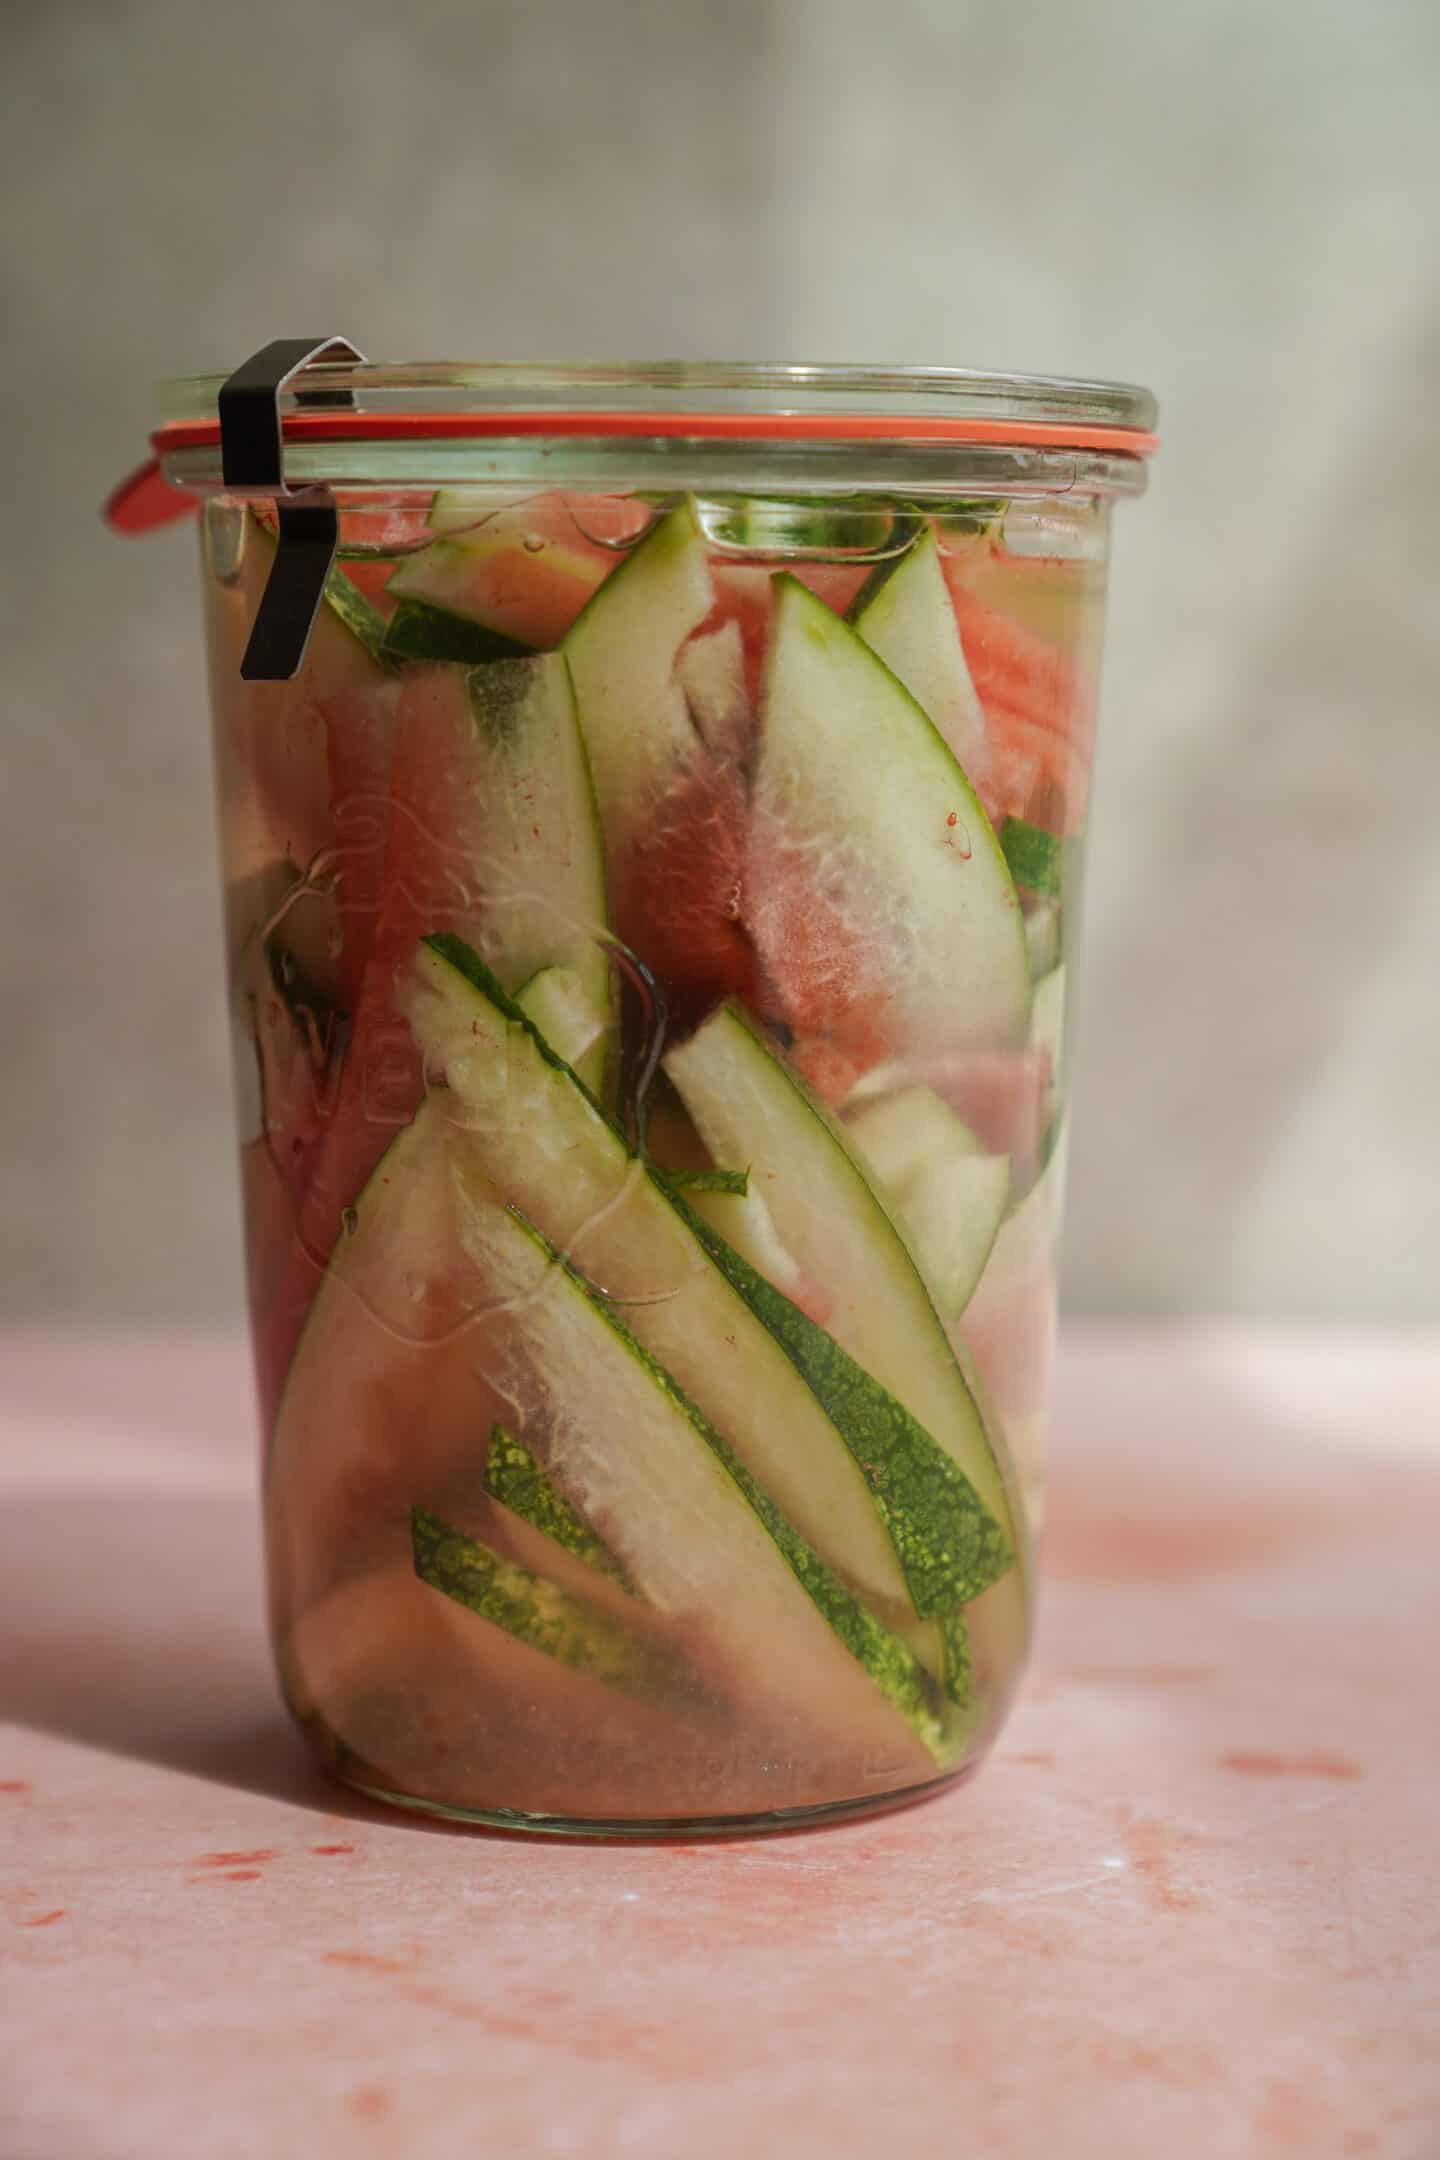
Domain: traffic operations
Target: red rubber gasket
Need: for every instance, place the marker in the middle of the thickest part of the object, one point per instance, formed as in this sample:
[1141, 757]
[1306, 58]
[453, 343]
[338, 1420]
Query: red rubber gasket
[147, 499]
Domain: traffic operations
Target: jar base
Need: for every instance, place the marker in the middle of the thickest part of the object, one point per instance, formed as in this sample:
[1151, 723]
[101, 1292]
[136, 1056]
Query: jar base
[657, 1829]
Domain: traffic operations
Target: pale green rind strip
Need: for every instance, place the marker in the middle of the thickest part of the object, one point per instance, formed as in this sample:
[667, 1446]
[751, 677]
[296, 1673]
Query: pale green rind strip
[949, 1546]
[542, 1140]
[361, 618]
[749, 1104]
[1047, 1020]
[1042, 939]
[901, 1135]
[516, 1480]
[951, 1218]
[945, 1194]
[536, 1612]
[903, 613]
[959, 1678]
[900, 839]
[743, 1221]
[562, 1007]
[621, 651]
[890, 1664]
[418, 630]
[526, 807]
[734, 1182]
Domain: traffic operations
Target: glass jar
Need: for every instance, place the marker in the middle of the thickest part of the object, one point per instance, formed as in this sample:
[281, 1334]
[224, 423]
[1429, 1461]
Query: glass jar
[650, 910]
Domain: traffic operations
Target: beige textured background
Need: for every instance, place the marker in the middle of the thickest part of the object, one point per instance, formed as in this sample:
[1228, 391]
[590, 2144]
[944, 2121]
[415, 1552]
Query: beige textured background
[1236, 205]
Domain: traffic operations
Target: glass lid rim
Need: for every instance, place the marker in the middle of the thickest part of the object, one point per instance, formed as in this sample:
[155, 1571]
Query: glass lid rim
[770, 396]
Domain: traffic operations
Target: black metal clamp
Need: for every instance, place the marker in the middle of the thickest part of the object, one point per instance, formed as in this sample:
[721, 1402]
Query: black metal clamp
[252, 456]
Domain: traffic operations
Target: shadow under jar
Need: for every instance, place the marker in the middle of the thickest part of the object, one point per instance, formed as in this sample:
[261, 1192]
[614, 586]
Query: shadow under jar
[650, 907]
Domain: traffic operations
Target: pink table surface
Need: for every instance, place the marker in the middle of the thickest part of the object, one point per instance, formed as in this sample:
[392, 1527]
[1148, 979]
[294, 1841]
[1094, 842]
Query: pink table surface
[1189, 1907]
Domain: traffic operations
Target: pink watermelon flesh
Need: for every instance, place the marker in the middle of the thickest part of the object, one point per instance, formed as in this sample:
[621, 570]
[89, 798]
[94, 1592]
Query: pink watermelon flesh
[527, 571]
[677, 893]
[1039, 715]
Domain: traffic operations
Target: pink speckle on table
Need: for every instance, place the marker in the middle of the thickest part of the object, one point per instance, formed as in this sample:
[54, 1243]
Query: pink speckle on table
[1188, 2069]
[1250, 1762]
[370, 2103]
[1188, 1907]
[1203, 1540]
[1293, 2119]
[1151, 1845]
[366, 1961]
